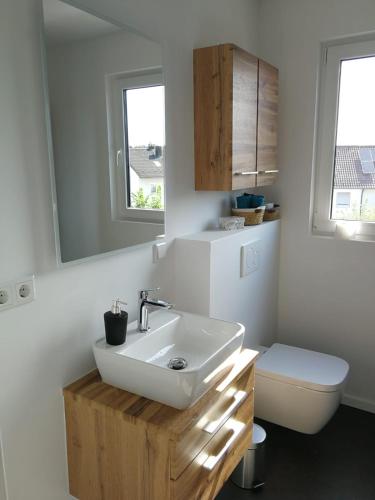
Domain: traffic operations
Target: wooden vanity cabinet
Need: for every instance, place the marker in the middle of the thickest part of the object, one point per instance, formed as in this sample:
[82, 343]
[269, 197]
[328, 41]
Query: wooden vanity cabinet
[125, 447]
[235, 119]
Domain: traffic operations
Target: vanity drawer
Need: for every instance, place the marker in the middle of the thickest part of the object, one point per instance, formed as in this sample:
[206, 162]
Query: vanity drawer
[204, 477]
[183, 451]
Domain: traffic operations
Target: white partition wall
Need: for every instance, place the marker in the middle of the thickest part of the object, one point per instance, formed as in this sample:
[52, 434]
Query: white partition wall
[208, 278]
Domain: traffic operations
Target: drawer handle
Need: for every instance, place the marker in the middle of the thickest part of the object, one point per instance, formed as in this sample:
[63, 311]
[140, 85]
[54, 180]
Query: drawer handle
[257, 172]
[234, 429]
[212, 426]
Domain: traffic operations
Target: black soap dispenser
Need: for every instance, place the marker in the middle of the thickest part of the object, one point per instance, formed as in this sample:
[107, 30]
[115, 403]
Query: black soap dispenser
[116, 322]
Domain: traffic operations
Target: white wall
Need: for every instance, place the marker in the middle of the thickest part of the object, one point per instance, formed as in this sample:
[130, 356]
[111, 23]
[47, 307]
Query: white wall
[209, 263]
[76, 75]
[369, 198]
[326, 286]
[46, 344]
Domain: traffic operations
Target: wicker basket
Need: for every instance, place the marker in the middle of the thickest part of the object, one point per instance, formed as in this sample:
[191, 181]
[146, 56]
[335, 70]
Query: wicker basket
[271, 214]
[253, 216]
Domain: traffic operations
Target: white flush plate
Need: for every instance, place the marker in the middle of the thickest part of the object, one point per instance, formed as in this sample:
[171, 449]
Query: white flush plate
[250, 257]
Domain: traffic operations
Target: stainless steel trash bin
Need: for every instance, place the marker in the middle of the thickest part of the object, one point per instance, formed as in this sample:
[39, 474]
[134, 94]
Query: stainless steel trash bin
[250, 472]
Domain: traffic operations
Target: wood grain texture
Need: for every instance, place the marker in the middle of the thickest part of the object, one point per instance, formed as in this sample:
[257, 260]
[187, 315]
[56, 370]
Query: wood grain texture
[225, 117]
[235, 119]
[206, 475]
[244, 140]
[131, 407]
[123, 446]
[111, 459]
[185, 449]
[213, 114]
[268, 98]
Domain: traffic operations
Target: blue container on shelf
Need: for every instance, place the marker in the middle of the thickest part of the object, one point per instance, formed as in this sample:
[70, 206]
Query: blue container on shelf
[250, 200]
[256, 201]
[244, 200]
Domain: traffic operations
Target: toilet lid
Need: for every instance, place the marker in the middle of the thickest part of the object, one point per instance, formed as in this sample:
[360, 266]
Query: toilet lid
[310, 369]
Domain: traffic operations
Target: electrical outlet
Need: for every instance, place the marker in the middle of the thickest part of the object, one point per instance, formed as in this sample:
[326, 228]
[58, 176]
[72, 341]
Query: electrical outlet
[25, 291]
[17, 292]
[6, 296]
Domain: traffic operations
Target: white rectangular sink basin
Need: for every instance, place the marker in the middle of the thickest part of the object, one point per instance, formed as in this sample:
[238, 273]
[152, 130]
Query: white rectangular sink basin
[141, 364]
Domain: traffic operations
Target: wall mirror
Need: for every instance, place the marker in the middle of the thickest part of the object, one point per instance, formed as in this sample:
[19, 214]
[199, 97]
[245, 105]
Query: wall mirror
[106, 115]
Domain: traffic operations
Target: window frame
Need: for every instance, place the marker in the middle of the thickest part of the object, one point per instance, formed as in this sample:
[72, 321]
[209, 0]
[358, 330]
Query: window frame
[332, 53]
[118, 149]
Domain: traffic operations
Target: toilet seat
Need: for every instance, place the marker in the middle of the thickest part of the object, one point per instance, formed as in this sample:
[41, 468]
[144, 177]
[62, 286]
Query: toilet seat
[303, 368]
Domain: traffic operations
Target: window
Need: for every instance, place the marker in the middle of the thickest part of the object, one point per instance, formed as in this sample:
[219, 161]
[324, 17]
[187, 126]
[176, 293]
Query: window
[144, 139]
[343, 200]
[345, 145]
[136, 131]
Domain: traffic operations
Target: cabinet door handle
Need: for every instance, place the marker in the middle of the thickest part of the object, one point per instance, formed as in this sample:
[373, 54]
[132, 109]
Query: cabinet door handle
[233, 430]
[212, 425]
[246, 173]
[257, 172]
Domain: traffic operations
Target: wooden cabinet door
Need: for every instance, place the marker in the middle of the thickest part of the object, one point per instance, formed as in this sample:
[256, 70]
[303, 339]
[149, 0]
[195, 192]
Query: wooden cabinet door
[244, 139]
[235, 117]
[213, 68]
[268, 97]
[207, 473]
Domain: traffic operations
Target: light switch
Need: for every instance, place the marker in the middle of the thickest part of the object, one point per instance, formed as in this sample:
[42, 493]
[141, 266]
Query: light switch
[250, 257]
[159, 251]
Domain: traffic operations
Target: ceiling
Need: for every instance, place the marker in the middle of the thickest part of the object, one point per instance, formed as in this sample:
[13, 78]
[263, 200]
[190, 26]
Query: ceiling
[64, 23]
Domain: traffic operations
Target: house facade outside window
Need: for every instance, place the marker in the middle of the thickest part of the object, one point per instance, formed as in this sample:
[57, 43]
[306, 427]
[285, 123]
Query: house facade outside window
[343, 199]
[353, 185]
[345, 138]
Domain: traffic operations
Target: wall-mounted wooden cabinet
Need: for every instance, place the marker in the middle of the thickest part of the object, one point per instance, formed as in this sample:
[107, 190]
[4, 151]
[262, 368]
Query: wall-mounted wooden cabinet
[125, 447]
[235, 113]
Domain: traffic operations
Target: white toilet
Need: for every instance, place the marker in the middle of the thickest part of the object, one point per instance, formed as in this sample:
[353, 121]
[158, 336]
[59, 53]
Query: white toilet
[297, 388]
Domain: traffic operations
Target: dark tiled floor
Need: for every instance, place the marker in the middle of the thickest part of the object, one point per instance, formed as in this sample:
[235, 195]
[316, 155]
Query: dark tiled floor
[336, 464]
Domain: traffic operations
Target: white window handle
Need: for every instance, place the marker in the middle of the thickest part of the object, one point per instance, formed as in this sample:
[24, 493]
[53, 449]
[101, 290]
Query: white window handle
[119, 158]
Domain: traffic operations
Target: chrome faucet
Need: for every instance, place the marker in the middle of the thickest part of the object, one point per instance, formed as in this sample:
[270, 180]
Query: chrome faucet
[144, 304]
